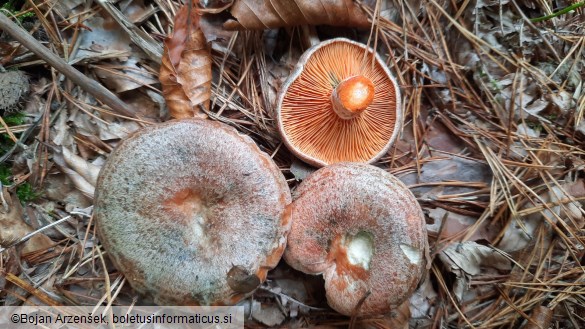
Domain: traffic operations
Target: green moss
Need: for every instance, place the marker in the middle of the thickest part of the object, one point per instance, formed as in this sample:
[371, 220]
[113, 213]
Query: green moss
[5, 174]
[537, 126]
[552, 117]
[26, 192]
[14, 119]
[10, 6]
[5, 143]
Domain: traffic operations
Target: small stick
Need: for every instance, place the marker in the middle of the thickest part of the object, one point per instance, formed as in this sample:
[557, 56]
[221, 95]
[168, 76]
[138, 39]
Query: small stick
[91, 86]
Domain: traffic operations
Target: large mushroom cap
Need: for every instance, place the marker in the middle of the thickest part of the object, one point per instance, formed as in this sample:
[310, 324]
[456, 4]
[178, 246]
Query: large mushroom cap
[364, 230]
[340, 104]
[192, 212]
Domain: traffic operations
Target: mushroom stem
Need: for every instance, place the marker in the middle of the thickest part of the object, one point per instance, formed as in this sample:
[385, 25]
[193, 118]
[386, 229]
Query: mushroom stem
[352, 96]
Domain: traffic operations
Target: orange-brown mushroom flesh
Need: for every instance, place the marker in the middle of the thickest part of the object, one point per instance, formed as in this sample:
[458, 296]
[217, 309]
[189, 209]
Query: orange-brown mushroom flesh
[340, 104]
[192, 212]
[364, 231]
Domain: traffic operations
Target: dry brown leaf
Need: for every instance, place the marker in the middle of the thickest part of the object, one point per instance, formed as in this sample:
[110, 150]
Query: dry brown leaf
[301, 170]
[521, 232]
[13, 227]
[450, 224]
[218, 37]
[101, 40]
[261, 15]
[185, 72]
[122, 76]
[540, 318]
[268, 314]
[422, 301]
[59, 188]
[139, 37]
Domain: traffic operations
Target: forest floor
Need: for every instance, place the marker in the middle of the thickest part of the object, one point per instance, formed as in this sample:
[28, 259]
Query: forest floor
[492, 146]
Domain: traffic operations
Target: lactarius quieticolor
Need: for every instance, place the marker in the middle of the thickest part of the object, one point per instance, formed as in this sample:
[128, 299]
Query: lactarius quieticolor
[364, 231]
[192, 212]
[341, 103]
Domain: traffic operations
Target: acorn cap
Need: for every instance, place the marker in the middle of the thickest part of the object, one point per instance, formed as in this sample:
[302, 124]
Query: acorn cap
[364, 231]
[340, 104]
[192, 212]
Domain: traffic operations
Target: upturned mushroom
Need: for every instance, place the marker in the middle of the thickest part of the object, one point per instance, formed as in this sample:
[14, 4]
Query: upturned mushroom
[340, 104]
[192, 213]
[364, 231]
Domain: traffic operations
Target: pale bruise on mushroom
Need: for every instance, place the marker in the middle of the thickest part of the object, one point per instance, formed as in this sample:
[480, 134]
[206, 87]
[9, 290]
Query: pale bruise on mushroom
[340, 104]
[364, 231]
[192, 213]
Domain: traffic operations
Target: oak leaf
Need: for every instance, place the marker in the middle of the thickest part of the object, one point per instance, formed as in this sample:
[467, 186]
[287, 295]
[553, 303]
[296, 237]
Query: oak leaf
[269, 14]
[185, 72]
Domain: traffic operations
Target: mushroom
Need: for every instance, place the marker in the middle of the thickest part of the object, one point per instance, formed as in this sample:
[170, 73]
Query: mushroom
[340, 104]
[192, 212]
[364, 231]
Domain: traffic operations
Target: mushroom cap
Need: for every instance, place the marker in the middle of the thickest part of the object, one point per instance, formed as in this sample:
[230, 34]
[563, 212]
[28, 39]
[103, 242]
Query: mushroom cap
[307, 119]
[364, 231]
[192, 212]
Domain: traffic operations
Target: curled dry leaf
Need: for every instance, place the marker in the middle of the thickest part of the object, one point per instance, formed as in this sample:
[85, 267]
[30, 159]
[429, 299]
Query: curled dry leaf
[86, 169]
[185, 72]
[82, 173]
[468, 259]
[266, 14]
